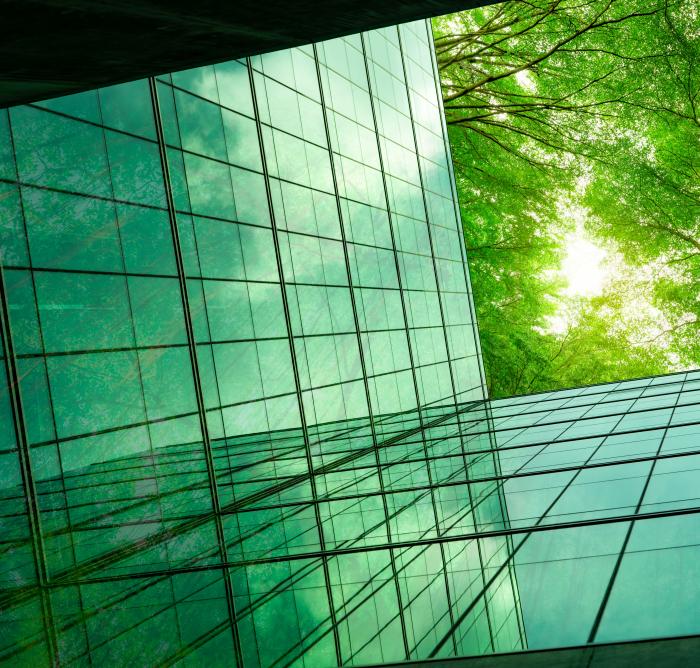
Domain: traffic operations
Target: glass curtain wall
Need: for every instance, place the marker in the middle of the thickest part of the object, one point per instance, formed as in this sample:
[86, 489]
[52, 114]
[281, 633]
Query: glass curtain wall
[239, 337]
[601, 485]
[242, 409]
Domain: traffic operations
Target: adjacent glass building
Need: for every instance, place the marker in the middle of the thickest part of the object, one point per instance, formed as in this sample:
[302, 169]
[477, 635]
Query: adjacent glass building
[243, 414]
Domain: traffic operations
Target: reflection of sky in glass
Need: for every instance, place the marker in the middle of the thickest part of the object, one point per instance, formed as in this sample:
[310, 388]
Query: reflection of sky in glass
[249, 418]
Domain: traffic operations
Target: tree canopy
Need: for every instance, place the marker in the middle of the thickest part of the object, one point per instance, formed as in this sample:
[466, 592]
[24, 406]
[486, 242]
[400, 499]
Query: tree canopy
[575, 126]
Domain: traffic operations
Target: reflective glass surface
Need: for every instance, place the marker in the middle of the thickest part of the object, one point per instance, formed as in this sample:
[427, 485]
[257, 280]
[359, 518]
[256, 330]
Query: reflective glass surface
[241, 398]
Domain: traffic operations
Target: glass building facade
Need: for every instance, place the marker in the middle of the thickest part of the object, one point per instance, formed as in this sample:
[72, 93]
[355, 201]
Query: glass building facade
[243, 414]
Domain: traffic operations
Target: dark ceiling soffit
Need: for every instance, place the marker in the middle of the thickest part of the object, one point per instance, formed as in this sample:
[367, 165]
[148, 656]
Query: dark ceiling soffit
[56, 47]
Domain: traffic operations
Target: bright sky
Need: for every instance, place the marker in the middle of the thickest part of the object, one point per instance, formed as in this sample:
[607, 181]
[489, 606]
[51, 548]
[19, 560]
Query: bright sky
[525, 80]
[587, 268]
[585, 274]
[582, 267]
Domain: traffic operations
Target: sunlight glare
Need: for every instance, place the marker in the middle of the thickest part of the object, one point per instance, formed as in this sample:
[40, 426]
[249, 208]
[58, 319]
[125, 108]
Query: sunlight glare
[582, 267]
[526, 81]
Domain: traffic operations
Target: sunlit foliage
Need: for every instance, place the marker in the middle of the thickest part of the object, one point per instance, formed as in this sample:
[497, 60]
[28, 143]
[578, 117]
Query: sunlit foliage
[576, 122]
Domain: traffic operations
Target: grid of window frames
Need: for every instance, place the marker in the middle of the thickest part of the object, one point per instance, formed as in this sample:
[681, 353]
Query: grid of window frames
[601, 486]
[241, 414]
[225, 293]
